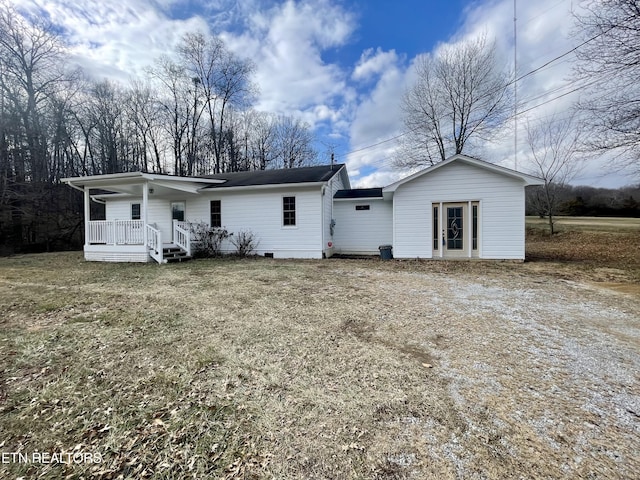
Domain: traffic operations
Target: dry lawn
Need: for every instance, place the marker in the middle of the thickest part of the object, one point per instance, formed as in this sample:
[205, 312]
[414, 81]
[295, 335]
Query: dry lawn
[324, 369]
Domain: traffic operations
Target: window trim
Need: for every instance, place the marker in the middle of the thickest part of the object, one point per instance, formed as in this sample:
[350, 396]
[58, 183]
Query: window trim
[435, 219]
[294, 210]
[139, 211]
[171, 203]
[218, 213]
[474, 226]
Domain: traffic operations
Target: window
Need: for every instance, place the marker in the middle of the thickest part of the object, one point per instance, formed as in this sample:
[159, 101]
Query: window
[177, 211]
[363, 207]
[135, 211]
[216, 213]
[436, 240]
[475, 227]
[289, 211]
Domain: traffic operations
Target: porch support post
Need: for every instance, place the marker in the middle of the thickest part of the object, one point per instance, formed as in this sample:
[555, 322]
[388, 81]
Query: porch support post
[145, 207]
[87, 214]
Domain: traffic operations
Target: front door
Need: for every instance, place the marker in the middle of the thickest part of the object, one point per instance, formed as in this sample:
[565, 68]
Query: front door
[454, 230]
[178, 210]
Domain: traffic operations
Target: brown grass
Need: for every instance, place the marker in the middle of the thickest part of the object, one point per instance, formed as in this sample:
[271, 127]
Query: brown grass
[323, 369]
[601, 250]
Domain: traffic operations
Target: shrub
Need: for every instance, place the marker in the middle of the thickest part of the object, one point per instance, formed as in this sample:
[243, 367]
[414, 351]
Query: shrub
[208, 240]
[245, 242]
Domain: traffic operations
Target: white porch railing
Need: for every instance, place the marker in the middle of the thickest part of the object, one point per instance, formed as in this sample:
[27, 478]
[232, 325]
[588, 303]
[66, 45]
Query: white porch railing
[132, 232]
[154, 243]
[182, 235]
[116, 232]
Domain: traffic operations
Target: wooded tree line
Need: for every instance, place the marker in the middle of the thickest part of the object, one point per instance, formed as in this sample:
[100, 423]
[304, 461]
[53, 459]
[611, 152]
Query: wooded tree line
[586, 201]
[191, 114]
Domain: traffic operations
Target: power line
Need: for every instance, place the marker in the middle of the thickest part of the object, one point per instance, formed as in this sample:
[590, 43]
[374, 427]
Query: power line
[544, 11]
[508, 84]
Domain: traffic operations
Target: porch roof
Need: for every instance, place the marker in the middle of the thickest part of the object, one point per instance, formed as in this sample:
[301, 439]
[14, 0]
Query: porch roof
[130, 183]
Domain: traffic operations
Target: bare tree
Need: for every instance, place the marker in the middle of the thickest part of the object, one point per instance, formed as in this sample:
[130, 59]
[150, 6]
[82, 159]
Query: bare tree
[610, 61]
[556, 159]
[461, 94]
[263, 149]
[175, 103]
[224, 83]
[293, 142]
[143, 109]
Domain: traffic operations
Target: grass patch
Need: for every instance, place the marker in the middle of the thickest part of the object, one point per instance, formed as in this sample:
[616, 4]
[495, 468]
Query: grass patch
[259, 368]
[604, 250]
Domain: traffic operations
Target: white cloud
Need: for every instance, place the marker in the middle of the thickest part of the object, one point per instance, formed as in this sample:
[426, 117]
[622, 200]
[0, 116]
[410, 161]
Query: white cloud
[378, 116]
[287, 42]
[374, 63]
[114, 40]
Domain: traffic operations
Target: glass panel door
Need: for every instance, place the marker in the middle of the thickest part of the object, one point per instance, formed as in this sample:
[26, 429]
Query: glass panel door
[455, 232]
[177, 211]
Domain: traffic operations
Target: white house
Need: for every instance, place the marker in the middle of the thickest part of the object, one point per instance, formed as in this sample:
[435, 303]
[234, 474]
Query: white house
[460, 208]
[148, 215]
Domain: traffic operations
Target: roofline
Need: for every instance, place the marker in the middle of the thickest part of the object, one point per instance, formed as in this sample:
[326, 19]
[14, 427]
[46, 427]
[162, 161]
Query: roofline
[528, 179]
[345, 176]
[349, 199]
[77, 181]
[264, 186]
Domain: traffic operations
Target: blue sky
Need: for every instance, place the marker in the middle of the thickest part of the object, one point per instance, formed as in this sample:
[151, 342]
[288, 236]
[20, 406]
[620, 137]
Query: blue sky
[340, 65]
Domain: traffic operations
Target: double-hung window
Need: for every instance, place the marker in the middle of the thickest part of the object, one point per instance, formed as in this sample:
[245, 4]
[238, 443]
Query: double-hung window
[135, 211]
[289, 211]
[216, 213]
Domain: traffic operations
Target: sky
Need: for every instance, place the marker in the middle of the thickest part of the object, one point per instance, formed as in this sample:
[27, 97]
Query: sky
[342, 65]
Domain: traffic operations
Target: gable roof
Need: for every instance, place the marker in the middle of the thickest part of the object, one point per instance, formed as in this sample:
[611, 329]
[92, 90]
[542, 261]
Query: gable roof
[317, 174]
[359, 193]
[130, 183]
[527, 179]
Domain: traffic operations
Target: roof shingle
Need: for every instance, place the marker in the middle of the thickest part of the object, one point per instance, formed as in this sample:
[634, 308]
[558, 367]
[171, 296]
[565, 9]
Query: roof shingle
[320, 173]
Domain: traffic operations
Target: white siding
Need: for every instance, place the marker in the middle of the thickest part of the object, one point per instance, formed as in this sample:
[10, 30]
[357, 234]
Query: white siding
[362, 231]
[116, 253]
[260, 211]
[501, 228]
[159, 212]
[334, 185]
[120, 209]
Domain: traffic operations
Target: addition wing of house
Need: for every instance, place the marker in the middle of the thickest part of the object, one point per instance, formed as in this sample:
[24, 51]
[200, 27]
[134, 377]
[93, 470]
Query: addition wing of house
[527, 179]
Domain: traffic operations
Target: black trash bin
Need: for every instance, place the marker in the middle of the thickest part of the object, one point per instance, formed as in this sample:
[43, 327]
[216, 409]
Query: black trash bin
[385, 252]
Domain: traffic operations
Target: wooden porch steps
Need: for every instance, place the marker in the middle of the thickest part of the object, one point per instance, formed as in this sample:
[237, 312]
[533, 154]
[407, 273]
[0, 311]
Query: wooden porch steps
[173, 253]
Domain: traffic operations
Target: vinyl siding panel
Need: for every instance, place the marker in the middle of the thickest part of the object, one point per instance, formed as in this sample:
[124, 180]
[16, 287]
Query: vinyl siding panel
[119, 209]
[363, 231]
[501, 227]
[159, 212]
[260, 211]
[116, 253]
[328, 208]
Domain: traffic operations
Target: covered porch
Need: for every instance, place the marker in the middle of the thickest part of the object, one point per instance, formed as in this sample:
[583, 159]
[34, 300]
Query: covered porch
[144, 236]
[135, 241]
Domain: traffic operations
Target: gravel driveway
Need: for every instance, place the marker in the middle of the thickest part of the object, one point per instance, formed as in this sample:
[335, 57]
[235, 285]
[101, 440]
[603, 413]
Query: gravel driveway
[538, 368]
